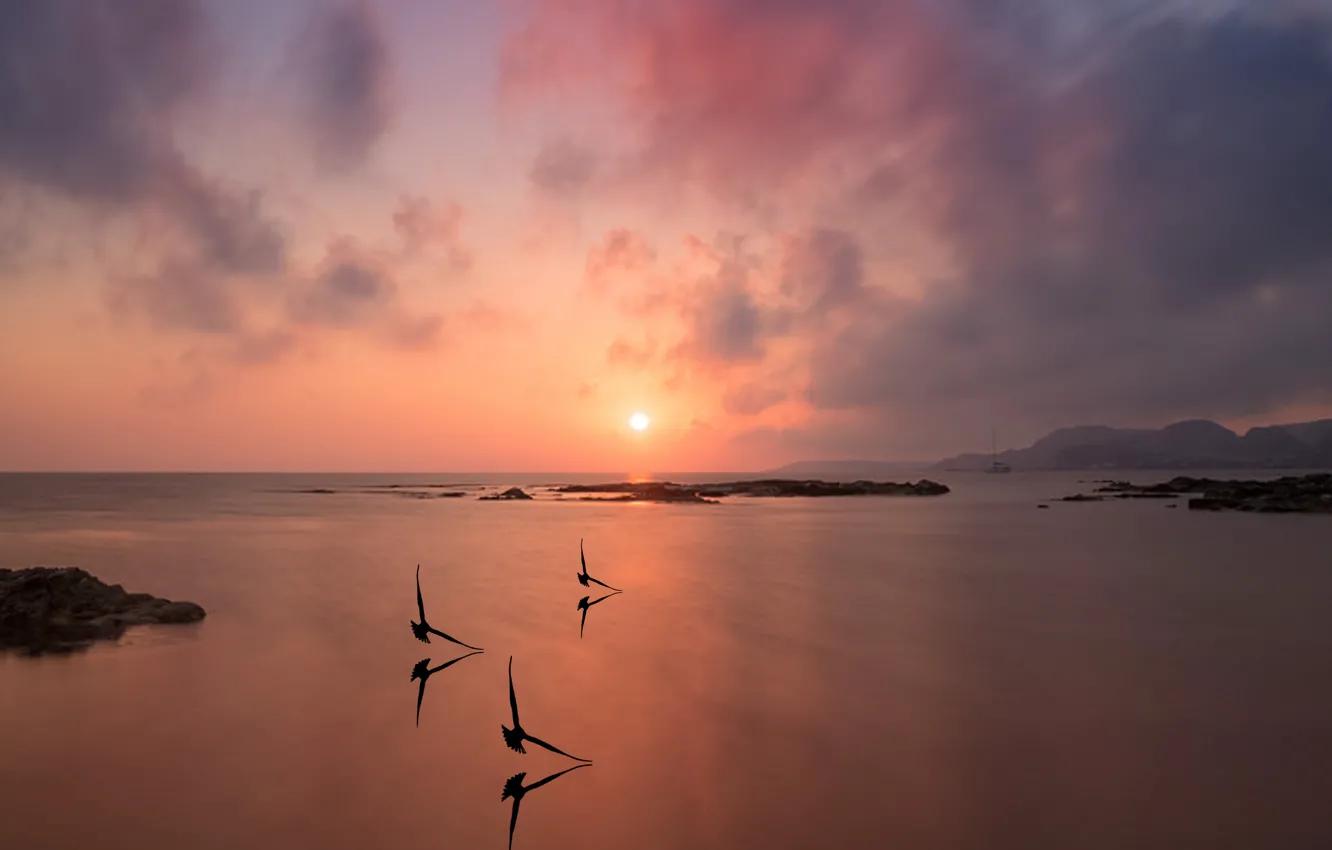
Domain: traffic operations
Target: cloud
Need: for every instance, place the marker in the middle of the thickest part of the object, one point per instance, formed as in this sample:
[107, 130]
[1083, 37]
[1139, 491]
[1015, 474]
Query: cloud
[752, 399]
[562, 168]
[181, 294]
[356, 289]
[345, 72]
[415, 333]
[423, 225]
[1037, 214]
[620, 251]
[259, 348]
[90, 92]
[1180, 277]
[231, 230]
[352, 287]
[622, 352]
[88, 89]
[822, 269]
[726, 320]
[486, 318]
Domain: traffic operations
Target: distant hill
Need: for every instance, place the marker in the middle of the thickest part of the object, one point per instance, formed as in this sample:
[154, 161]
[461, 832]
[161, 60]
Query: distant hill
[845, 470]
[1193, 444]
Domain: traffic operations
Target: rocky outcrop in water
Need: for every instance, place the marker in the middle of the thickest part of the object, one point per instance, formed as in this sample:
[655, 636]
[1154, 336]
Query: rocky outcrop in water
[44, 609]
[653, 491]
[509, 495]
[778, 487]
[1308, 494]
[1289, 494]
[665, 491]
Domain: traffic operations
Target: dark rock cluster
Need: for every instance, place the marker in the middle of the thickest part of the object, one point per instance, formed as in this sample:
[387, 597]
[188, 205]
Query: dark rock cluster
[511, 494]
[1289, 494]
[45, 609]
[648, 491]
[777, 487]
[1292, 494]
[665, 491]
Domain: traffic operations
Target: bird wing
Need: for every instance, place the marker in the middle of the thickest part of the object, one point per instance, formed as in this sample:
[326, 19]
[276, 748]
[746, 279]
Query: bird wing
[552, 777]
[603, 584]
[513, 700]
[420, 604]
[581, 556]
[436, 631]
[513, 819]
[541, 743]
[582, 622]
[454, 661]
[607, 596]
[420, 695]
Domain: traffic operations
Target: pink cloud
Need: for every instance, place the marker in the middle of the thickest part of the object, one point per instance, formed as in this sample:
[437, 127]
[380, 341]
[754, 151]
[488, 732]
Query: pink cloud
[622, 352]
[739, 93]
[423, 225]
[487, 318]
[621, 251]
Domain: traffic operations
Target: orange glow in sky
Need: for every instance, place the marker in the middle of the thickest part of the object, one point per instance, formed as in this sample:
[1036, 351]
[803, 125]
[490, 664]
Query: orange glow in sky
[478, 236]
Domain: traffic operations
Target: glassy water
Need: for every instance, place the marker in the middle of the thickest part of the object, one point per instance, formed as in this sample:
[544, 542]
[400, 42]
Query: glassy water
[959, 672]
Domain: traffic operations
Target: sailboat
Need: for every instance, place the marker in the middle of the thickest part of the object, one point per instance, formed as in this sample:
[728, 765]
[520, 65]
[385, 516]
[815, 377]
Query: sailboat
[996, 465]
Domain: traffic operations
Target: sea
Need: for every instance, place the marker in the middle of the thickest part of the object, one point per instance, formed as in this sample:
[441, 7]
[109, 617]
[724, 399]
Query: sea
[961, 671]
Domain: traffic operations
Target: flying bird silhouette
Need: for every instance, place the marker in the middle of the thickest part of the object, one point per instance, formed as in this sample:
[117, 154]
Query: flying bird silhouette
[514, 788]
[583, 605]
[422, 672]
[423, 630]
[514, 737]
[583, 577]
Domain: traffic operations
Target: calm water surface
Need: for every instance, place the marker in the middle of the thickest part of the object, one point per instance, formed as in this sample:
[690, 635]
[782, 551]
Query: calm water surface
[960, 672]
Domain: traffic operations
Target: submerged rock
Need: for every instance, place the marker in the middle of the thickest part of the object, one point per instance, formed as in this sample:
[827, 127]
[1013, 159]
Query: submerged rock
[45, 609]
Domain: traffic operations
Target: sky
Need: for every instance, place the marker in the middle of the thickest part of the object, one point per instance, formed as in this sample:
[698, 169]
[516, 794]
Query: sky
[462, 235]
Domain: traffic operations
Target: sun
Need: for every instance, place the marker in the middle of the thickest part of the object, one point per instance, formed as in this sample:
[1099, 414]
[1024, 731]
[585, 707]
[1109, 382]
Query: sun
[639, 421]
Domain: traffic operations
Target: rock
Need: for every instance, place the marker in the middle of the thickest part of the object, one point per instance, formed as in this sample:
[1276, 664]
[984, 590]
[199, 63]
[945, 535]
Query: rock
[666, 491]
[1289, 494]
[511, 494]
[1147, 495]
[1113, 486]
[62, 609]
[1082, 497]
[656, 492]
[1043, 507]
[416, 494]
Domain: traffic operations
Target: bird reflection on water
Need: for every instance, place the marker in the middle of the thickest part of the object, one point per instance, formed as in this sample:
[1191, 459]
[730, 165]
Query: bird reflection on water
[423, 672]
[583, 605]
[515, 789]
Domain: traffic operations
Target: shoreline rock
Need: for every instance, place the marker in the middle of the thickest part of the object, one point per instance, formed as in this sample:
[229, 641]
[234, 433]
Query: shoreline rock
[62, 609]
